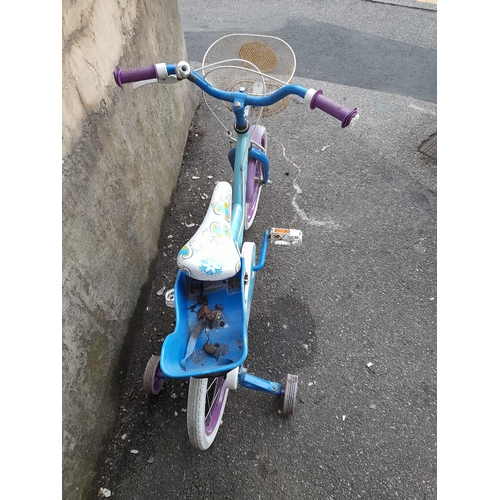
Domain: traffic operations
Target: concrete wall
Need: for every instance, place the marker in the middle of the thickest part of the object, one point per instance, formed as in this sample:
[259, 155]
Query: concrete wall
[122, 150]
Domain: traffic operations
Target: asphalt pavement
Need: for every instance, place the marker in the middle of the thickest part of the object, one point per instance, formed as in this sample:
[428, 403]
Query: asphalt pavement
[352, 311]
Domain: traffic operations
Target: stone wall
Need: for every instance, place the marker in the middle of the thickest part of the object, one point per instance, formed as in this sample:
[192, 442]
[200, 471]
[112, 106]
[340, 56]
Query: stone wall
[122, 151]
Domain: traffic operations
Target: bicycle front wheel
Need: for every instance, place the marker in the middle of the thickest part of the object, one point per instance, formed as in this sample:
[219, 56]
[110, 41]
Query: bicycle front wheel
[206, 402]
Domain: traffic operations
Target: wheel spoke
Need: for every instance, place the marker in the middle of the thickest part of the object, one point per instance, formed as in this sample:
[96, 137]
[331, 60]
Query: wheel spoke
[212, 404]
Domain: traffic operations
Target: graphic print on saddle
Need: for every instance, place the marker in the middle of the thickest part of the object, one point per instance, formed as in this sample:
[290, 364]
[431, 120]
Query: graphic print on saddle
[211, 253]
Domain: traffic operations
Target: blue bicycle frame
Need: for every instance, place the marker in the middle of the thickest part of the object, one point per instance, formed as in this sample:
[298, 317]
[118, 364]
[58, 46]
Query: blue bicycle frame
[239, 304]
[214, 286]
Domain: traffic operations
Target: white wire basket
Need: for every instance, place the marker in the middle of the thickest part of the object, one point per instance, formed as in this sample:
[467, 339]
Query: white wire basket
[260, 64]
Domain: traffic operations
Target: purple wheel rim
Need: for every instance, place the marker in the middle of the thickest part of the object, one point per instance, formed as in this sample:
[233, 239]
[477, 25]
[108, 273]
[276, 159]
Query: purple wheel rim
[153, 378]
[215, 404]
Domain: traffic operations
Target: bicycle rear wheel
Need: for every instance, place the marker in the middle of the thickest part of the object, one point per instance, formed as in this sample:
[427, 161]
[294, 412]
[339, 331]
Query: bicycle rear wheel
[258, 134]
[206, 403]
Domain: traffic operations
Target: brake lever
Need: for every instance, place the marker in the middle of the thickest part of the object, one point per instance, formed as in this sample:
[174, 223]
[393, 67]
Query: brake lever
[169, 80]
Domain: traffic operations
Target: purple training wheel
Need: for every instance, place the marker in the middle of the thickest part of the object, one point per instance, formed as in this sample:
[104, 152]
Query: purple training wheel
[153, 380]
[290, 394]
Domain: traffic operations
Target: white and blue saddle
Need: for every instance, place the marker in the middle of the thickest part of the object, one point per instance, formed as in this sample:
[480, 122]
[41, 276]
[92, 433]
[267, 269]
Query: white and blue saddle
[211, 254]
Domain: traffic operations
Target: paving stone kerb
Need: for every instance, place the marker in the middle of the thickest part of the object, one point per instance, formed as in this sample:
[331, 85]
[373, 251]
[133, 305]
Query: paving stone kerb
[122, 151]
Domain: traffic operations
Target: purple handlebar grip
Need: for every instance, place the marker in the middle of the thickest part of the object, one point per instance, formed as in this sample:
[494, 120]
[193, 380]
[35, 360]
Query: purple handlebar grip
[344, 115]
[134, 75]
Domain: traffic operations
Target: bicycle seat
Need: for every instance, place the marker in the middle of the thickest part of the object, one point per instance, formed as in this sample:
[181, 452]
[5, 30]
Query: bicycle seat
[211, 254]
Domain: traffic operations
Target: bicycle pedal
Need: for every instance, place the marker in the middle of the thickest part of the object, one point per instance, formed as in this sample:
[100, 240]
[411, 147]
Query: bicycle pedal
[169, 298]
[288, 237]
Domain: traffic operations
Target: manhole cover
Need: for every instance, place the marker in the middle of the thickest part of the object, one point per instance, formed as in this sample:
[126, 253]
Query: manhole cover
[410, 4]
[430, 146]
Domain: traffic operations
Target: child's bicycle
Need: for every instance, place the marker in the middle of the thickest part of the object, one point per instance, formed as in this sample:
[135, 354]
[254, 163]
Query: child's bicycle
[214, 286]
